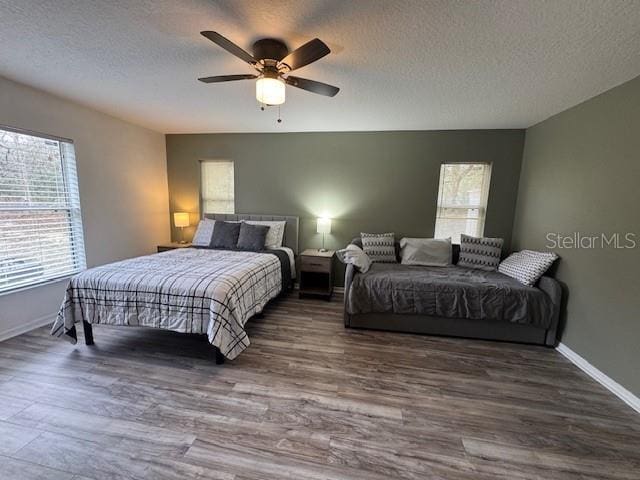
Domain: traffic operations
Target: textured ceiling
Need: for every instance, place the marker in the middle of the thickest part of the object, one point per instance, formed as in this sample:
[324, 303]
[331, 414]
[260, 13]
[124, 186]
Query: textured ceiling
[401, 65]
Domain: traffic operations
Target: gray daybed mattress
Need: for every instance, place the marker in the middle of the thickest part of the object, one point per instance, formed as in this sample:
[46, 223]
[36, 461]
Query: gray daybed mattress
[452, 292]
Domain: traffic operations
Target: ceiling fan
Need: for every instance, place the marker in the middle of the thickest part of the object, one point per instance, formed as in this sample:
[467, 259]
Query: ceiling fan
[273, 62]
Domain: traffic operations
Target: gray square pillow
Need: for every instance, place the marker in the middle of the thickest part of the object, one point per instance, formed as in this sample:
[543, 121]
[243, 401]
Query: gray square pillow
[380, 247]
[252, 237]
[225, 235]
[481, 253]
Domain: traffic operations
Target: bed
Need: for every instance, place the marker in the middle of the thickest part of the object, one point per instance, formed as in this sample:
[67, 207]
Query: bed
[188, 290]
[453, 301]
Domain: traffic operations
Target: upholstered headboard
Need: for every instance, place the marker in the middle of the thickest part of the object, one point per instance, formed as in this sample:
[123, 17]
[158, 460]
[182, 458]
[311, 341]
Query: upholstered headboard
[290, 232]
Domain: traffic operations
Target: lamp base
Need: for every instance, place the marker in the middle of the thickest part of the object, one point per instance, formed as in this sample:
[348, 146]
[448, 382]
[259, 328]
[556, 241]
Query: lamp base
[182, 242]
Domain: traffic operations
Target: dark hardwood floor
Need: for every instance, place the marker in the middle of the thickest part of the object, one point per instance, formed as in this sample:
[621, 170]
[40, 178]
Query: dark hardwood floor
[307, 400]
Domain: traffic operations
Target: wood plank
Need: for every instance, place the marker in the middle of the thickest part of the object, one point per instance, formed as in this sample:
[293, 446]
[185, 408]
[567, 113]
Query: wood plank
[14, 437]
[11, 468]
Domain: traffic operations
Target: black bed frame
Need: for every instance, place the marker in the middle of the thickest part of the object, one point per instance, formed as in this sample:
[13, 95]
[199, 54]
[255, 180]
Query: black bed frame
[88, 340]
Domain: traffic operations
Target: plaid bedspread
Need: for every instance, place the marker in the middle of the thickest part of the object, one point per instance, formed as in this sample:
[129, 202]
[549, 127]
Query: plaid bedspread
[185, 290]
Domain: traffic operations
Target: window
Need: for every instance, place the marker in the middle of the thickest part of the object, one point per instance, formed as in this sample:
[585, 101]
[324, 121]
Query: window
[40, 224]
[216, 189]
[462, 200]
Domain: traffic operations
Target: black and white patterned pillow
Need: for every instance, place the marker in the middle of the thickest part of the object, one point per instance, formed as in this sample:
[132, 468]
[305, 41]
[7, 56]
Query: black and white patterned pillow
[380, 247]
[481, 253]
[527, 266]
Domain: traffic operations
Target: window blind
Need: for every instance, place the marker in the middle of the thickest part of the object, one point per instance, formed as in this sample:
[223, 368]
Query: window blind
[216, 190]
[41, 236]
[462, 200]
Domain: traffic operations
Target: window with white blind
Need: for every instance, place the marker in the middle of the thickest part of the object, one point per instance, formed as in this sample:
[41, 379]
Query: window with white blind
[41, 235]
[462, 200]
[216, 189]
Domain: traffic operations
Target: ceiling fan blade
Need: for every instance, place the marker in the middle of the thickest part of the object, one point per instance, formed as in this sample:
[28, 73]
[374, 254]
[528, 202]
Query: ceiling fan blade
[306, 54]
[312, 86]
[226, 78]
[229, 46]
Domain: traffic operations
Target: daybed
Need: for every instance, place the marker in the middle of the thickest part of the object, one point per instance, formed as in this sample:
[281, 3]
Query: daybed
[453, 301]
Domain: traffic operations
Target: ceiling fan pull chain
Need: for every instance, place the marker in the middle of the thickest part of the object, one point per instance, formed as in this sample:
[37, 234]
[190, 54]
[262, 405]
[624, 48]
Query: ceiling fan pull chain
[279, 119]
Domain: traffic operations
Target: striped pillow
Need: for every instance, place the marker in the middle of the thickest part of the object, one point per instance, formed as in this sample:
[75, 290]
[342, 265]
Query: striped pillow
[527, 266]
[380, 247]
[480, 253]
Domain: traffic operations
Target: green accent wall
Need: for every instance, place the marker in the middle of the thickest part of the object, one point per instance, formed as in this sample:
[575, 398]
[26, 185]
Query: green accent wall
[365, 181]
[581, 174]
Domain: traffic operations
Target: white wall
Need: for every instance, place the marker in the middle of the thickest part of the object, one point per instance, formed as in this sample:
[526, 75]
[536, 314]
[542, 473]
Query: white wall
[122, 175]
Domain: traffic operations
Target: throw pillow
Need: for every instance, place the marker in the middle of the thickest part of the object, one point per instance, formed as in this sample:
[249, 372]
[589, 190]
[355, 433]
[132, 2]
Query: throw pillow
[428, 252]
[252, 237]
[275, 235]
[355, 256]
[202, 237]
[225, 235]
[480, 253]
[527, 266]
[380, 247]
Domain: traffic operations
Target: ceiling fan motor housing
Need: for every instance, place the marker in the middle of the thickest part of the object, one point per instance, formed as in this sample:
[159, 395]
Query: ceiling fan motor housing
[269, 48]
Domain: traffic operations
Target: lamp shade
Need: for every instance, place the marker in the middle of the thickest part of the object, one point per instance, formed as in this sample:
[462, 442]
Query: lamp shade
[324, 225]
[270, 91]
[181, 219]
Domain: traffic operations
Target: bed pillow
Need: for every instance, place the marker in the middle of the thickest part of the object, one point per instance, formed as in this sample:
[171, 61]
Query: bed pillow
[252, 237]
[202, 237]
[355, 256]
[481, 253]
[275, 235]
[527, 266]
[380, 247]
[428, 252]
[225, 235]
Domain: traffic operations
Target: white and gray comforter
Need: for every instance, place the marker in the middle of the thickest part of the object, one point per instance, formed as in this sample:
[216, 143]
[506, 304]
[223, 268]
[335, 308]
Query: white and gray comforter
[188, 290]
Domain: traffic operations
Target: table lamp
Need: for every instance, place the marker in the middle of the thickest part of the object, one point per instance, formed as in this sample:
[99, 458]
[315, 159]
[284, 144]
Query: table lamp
[181, 220]
[323, 227]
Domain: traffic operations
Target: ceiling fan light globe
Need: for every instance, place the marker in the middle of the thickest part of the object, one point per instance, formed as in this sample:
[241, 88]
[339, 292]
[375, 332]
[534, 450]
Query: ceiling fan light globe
[270, 91]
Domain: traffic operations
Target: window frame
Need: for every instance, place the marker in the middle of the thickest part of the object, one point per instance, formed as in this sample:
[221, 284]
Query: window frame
[482, 207]
[201, 189]
[76, 232]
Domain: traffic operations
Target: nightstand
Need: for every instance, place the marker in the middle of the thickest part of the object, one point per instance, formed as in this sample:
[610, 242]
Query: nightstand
[316, 273]
[172, 246]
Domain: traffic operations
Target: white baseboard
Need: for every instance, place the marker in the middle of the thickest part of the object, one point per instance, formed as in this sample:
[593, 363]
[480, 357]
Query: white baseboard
[607, 382]
[27, 327]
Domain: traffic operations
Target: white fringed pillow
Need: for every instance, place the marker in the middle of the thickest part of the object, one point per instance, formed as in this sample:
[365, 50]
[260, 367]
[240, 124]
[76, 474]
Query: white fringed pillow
[527, 266]
[355, 256]
[202, 237]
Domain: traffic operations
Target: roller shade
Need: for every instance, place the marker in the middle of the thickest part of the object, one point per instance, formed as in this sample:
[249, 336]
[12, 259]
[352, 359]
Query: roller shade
[217, 191]
[41, 236]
